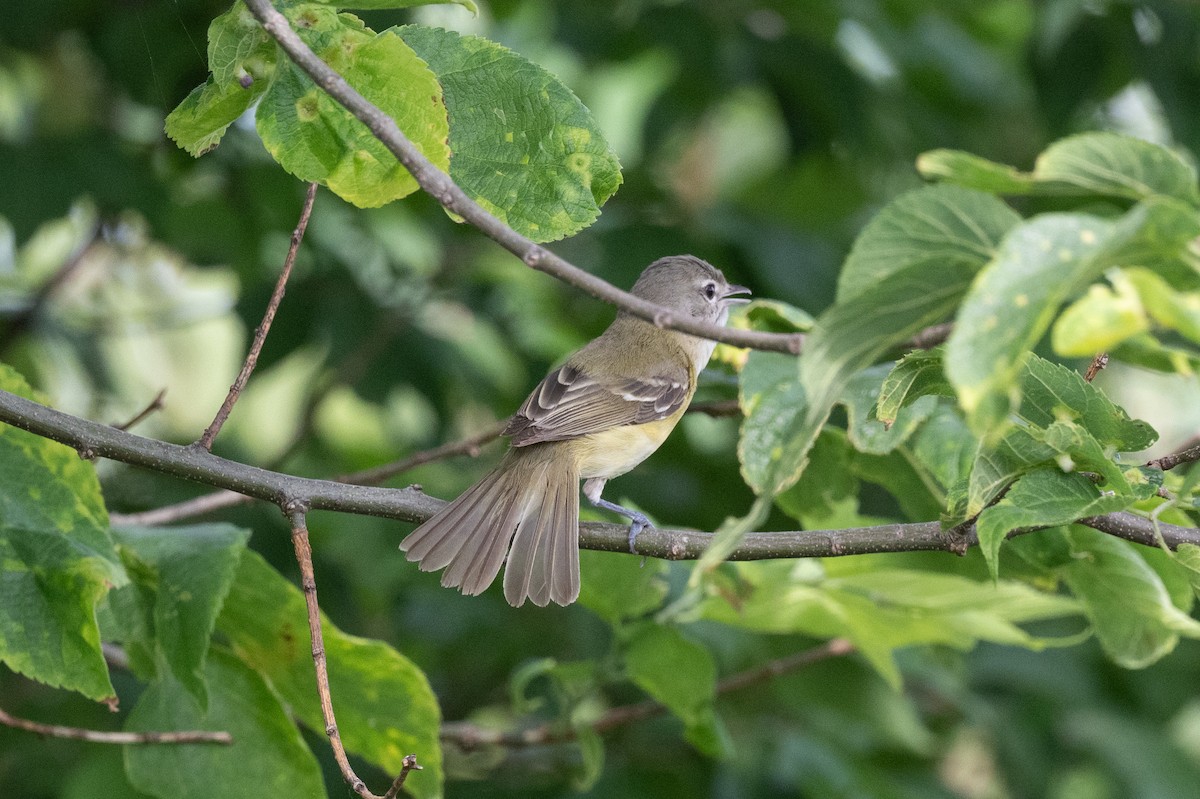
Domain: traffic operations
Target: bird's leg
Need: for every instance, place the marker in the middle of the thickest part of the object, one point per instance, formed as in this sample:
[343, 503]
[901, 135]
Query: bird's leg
[637, 521]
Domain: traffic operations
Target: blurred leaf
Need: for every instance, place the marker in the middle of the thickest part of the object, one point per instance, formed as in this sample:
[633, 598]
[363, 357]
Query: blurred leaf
[1128, 605]
[1011, 305]
[59, 560]
[1107, 164]
[179, 577]
[522, 144]
[1172, 309]
[814, 502]
[267, 754]
[385, 708]
[1099, 321]
[617, 587]
[374, 4]
[680, 674]
[776, 317]
[315, 139]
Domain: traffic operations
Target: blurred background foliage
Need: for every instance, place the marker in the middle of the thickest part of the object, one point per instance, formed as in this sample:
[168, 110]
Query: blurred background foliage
[760, 136]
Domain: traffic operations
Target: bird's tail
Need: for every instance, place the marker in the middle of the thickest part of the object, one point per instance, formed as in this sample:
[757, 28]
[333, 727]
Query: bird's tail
[527, 508]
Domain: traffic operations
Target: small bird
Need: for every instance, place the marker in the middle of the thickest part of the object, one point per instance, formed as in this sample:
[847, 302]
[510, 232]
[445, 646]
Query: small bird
[595, 417]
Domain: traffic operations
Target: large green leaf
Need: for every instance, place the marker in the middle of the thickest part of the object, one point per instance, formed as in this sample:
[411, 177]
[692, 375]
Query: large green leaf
[772, 448]
[522, 144]
[680, 674]
[268, 756]
[58, 560]
[315, 139]
[385, 707]
[880, 611]
[1106, 164]
[1127, 602]
[1012, 304]
[617, 587]
[179, 578]
[916, 375]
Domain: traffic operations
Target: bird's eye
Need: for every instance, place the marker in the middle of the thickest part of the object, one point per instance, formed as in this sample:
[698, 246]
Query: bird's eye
[710, 291]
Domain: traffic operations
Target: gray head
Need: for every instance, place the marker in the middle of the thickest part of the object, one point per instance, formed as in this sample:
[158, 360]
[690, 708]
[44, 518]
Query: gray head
[691, 286]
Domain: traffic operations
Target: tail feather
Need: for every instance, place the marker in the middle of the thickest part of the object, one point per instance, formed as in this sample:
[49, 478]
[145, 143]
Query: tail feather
[527, 509]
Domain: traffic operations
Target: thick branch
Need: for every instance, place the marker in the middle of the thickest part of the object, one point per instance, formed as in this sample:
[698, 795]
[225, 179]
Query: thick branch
[104, 737]
[92, 439]
[440, 186]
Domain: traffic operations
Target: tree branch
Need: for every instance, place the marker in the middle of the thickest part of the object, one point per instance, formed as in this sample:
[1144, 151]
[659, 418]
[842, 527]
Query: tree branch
[127, 738]
[1190, 453]
[264, 327]
[92, 439]
[442, 188]
[471, 736]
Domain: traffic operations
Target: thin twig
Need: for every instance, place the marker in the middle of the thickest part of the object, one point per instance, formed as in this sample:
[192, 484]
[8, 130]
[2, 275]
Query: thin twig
[410, 504]
[126, 738]
[442, 188]
[1189, 453]
[297, 513]
[155, 405]
[264, 327]
[930, 337]
[408, 764]
[1098, 363]
[22, 320]
[470, 736]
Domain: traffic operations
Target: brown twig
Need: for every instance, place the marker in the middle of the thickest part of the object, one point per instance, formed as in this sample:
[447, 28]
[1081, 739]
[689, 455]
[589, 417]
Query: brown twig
[297, 513]
[126, 738]
[445, 191]
[409, 763]
[1189, 453]
[1098, 363]
[260, 333]
[716, 408]
[930, 337]
[22, 320]
[470, 736]
[155, 405]
[410, 504]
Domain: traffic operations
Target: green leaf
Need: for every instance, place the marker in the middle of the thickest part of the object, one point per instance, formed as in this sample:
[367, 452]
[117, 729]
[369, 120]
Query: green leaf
[368, 5]
[882, 611]
[238, 47]
[1043, 498]
[772, 448]
[523, 145]
[1106, 164]
[1111, 164]
[268, 756]
[925, 227]
[1175, 310]
[57, 560]
[916, 375]
[616, 587]
[1129, 607]
[680, 674]
[315, 139]
[814, 502]
[1012, 304]
[179, 578]
[1099, 320]
[776, 317]
[200, 121]
[385, 707]
[871, 435]
[973, 172]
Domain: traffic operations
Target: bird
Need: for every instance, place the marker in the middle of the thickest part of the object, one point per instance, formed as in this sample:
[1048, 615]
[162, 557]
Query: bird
[597, 416]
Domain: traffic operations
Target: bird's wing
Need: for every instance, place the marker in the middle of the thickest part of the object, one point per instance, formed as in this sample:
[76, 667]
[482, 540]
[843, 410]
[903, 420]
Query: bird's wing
[570, 403]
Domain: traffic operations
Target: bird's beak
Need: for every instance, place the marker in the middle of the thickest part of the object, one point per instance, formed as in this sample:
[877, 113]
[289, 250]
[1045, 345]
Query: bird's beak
[731, 290]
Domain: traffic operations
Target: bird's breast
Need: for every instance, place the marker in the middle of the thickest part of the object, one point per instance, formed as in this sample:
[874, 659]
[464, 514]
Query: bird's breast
[615, 451]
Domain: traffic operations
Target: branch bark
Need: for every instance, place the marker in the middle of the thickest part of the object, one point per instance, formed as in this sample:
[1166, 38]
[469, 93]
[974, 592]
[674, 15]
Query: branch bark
[126, 738]
[442, 188]
[92, 439]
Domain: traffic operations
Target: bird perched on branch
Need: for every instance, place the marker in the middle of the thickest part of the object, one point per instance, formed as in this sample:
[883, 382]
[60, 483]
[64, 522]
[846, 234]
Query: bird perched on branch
[595, 417]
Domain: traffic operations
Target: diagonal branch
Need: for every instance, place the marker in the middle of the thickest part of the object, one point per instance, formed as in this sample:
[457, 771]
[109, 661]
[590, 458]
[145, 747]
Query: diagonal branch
[92, 439]
[442, 188]
[126, 738]
[264, 327]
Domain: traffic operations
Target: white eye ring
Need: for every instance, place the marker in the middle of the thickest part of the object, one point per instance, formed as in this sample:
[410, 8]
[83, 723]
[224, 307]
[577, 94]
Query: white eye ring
[710, 291]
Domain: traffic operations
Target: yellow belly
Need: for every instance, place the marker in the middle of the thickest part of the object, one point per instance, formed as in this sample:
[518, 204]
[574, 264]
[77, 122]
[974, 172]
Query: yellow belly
[614, 452]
